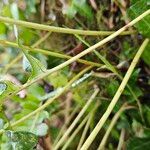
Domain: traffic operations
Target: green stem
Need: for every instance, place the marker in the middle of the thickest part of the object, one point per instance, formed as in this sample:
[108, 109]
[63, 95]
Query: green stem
[83, 53]
[48, 101]
[41, 40]
[37, 43]
[113, 69]
[75, 110]
[112, 124]
[121, 140]
[87, 126]
[59, 29]
[46, 52]
[75, 133]
[76, 120]
[115, 98]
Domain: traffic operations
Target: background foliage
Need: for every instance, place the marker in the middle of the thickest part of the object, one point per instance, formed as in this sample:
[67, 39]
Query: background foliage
[20, 65]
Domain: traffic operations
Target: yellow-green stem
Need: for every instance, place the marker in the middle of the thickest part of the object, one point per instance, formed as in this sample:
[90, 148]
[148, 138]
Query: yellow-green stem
[76, 119]
[48, 101]
[46, 52]
[115, 98]
[113, 122]
[90, 49]
[59, 29]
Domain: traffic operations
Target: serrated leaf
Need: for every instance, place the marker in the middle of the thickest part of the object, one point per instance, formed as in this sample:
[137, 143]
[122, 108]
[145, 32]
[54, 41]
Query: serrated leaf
[31, 63]
[138, 144]
[36, 66]
[6, 88]
[22, 140]
[135, 10]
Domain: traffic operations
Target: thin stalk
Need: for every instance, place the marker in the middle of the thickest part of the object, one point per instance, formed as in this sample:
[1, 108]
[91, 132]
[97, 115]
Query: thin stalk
[115, 98]
[12, 63]
[86, 127]
[41, 40]
[75, 133]
[46, 52]
[121, 139]
[65, 124]
[91, 114]
[68, 100]
[90, 49]
[49, 101]
[113, 69]
[84, 132]
[34, 121]
[76, 120]
[112, 124]
[37, 43]
[59, 29]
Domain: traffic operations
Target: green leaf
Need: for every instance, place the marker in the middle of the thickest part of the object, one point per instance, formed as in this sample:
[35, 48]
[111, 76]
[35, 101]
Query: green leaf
[41, 129]
[135, 10]
[33, 64]
[30, 6]
[22, 140]
[138, 144]
[134, 77]
[112, 88]
[2, 28]
[58, 79]
[6, 88]
[83, 8]
[6, 11]
[36, 90]
[71, 12]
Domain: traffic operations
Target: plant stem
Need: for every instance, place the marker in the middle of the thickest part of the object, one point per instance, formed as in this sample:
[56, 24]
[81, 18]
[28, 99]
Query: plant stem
[86, 127]
[90, 49]
[75, 133]
[76, 120]
[113, 122]
[121, 139]
[91, 114]
[37, 43]
[59, 29]
[113, 69]
[12, 63]
[46, 52]
[84, 132]
[65, 124]
[115, 98]
[41, 40]
[49, 101]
